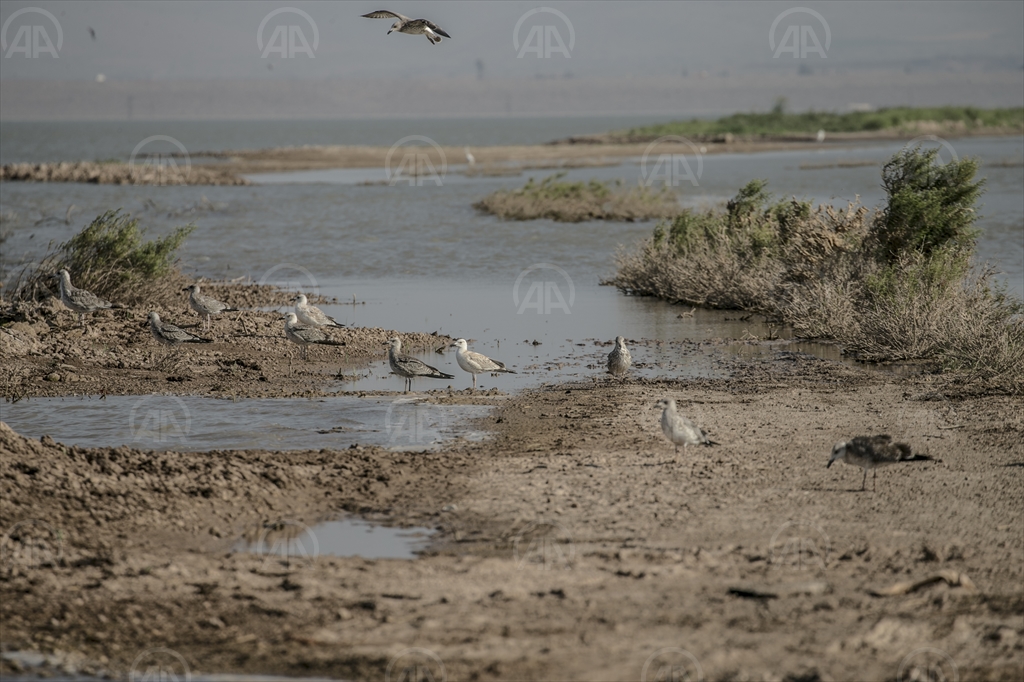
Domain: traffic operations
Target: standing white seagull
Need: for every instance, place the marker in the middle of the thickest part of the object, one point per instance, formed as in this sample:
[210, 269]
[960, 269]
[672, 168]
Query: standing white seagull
[409, 367]
[80, 300]
[411, 26]
[204, 305]
[475, 363]
[311, 315]
[871, 452]
[619, 359]
[304, 336]
[679, 429]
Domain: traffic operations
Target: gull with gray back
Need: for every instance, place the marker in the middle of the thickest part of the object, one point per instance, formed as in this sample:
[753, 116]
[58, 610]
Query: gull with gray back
[311, 315]
[409, 367]
[305, 335]
[678, 429]
[432, 31]
[171, 335]
[871, 452]
[475, 363]
[206, 306]
[80, 300]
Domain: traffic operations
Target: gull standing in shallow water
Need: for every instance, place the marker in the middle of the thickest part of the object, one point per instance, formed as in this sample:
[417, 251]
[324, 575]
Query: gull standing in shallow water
[475, 363]
[619, 359]
[304, 336]
[871, 452]
[80, 300]
[411, 26]
[409, 367]
[204, 305]
[679, 429]
[311, 315]
[171, 335]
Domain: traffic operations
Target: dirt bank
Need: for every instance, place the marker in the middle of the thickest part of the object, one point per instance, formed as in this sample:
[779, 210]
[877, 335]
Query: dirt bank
[118, 174]
[575, 544]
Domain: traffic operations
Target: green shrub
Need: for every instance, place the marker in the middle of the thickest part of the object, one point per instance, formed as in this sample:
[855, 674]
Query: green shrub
[109, 257]
[892, 285]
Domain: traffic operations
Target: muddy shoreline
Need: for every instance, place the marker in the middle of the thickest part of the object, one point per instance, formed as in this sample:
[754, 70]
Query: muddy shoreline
[572, 544]
[229, 167]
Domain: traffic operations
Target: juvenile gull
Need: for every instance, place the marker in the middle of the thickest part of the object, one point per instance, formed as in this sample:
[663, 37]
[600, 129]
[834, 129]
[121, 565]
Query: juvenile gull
[475, 363]
[871, 452]
[171, 335]
[619, 359]
[311, 315]
[204, 305]
[411, 26]
[304, 336]
[80, 300]
[679, 429]
[409, 367]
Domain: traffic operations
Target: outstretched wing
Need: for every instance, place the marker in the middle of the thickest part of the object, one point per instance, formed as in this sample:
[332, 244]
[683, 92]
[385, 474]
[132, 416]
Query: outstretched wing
[385, 14]
[436, 29]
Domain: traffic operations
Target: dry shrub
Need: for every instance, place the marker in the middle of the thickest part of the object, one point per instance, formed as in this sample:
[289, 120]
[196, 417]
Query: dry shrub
[893, 285]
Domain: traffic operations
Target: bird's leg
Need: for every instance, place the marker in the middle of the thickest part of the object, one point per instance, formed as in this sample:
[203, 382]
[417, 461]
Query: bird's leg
[864, 481]
[474, 382]
[874, 480]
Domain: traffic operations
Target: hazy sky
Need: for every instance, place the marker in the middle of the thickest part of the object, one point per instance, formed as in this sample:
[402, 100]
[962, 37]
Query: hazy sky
[170, 40]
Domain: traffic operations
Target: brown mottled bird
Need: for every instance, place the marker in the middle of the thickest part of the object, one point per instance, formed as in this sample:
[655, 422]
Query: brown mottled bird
[871, 452]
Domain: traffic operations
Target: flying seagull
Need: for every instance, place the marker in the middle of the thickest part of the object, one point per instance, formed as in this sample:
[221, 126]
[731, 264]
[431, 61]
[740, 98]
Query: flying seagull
[304, 336]
[475, 363]
[171, 335]
[411, 26]
[311, 315]
[619, 359]
[80, 300]
[409, 367]
[679, 429]
[871, 452]
[204, 305]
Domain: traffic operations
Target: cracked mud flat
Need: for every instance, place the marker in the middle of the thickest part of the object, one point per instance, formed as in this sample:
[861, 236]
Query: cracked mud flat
[576, 544]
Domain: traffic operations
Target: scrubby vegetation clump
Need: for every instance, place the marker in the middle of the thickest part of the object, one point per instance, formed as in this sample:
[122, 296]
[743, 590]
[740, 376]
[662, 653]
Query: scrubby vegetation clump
[893, 284]
[573, 202]
[109, 257]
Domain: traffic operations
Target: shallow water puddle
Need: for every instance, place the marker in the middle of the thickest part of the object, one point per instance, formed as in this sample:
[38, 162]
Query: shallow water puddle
[296, 543]
[190, 423]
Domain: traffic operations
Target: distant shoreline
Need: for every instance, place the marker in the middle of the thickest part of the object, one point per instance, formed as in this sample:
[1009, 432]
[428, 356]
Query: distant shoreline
[229, 167]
